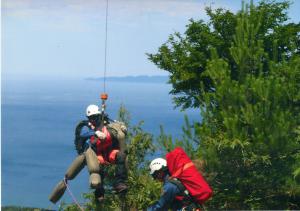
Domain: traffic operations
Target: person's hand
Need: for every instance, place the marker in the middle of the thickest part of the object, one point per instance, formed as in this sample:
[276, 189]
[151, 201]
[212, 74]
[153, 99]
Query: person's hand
[100, 135]
[91, 126]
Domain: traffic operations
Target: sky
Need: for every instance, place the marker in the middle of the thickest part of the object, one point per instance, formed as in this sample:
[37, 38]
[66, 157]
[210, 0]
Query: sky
[64, 39]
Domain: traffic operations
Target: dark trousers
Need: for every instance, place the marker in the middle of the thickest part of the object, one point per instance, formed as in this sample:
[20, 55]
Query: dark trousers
[121, 169]
[120, 174]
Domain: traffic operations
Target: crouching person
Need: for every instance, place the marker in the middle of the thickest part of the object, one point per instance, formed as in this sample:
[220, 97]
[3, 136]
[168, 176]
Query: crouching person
[159, 171]
[184, 188]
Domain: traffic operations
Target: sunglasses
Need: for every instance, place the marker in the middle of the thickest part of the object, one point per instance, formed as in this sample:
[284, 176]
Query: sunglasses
[93, 117]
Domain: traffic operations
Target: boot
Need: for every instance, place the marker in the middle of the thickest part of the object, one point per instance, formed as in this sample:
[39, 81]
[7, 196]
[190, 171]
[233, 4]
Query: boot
[120, 188]
[99, 194]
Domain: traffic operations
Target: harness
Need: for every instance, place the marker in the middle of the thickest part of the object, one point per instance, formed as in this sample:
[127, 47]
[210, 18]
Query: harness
[107, 149]
[184, 196]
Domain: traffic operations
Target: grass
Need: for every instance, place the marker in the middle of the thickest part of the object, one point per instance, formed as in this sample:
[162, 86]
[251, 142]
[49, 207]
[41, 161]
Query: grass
[16, 208]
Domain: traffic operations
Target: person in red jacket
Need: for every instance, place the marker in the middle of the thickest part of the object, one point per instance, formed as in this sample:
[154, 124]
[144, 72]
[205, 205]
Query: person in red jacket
[174, 195]
[184, 186]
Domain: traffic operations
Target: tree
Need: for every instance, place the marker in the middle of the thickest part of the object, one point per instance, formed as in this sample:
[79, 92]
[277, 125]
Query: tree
[243, 71]
[185, 56]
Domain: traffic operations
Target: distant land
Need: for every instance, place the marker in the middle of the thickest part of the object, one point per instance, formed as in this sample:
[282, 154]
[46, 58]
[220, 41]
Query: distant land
[136, 79]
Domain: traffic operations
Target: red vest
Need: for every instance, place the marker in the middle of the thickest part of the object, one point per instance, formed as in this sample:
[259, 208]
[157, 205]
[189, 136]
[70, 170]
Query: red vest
[103, 147]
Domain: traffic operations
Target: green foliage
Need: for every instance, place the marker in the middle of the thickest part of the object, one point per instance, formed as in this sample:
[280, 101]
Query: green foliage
[243, 71]
[16, 208]
[143, 190]
[186, 56]
[188, 141]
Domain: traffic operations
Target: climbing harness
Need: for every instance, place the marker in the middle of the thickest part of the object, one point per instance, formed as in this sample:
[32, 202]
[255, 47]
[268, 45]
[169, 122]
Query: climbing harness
[72, 195]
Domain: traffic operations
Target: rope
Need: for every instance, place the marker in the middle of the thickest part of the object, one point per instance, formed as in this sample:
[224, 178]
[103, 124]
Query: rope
[105, 48]
[72, 195]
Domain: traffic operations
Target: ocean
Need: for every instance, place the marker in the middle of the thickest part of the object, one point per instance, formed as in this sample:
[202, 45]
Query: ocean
[38, 121]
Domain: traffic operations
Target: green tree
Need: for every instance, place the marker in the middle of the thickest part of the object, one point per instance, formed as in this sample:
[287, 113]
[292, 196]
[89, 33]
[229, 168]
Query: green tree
[243, 71]
[185, 56]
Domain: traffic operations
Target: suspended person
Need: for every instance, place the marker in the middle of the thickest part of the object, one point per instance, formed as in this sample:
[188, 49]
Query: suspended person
[184, 188]
[107, 139]
[99, 141]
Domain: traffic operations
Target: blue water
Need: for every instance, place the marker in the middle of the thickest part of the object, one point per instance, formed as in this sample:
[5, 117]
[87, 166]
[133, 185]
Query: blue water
[38, 120]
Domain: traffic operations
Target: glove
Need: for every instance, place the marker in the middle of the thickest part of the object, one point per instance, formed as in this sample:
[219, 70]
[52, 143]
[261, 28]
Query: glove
[91, 126]
[100, 135]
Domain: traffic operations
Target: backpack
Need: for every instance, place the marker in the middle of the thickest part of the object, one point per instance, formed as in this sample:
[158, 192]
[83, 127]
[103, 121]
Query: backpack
[182, 168]
[79, 141]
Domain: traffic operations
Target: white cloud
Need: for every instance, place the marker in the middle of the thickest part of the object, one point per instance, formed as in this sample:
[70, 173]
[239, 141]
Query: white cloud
[96, 8]
[85, 15]
[82, 15]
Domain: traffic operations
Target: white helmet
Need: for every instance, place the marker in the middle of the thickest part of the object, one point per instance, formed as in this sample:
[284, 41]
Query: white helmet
[157, 164]
[92, 110]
